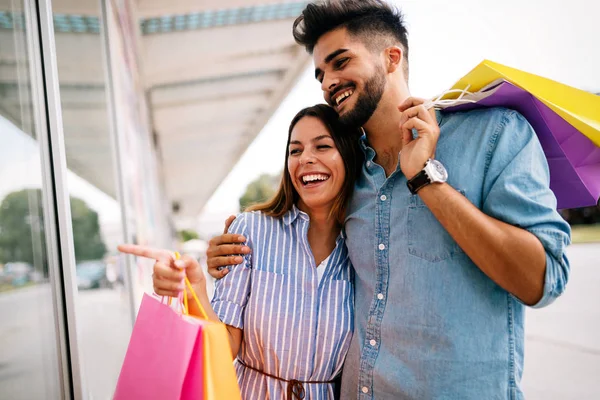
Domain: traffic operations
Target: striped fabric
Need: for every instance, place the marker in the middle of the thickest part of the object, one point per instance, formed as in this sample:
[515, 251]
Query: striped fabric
[295, 327]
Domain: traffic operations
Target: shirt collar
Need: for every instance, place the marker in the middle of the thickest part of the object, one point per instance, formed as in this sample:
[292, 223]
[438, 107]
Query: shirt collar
[364, 145]
[370, 153]
[293, 214]
[290, 216]
[343, 232]
[439, 117]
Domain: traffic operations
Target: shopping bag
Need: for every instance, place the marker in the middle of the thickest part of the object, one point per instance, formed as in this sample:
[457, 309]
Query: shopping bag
[220, 381]
[566, 121]
[578, 107]
[164, 348]
[172, 355]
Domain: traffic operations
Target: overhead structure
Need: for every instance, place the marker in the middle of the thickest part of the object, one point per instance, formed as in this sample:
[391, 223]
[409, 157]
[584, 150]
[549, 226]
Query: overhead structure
[214, 72]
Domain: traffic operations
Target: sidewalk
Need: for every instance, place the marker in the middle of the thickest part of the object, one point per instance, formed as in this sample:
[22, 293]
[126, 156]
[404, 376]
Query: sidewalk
[562, 341]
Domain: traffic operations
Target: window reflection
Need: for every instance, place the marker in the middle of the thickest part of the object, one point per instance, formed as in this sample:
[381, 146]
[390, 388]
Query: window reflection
[29, 363]
[102, 305]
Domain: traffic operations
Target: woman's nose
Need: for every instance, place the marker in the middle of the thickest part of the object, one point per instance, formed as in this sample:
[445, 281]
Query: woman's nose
[307, 158]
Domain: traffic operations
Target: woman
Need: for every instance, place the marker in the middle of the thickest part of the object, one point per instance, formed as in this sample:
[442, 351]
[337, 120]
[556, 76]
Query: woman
[288, 306]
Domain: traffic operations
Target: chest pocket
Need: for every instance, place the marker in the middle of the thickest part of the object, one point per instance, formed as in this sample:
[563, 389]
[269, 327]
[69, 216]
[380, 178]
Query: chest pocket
[427, 238]
[267, 316]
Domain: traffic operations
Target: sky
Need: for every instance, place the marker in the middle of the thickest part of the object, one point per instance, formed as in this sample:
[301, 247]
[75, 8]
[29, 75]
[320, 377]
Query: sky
[555, 39]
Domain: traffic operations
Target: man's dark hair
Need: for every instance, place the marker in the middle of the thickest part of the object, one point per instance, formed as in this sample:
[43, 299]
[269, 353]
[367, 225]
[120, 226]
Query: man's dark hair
[375, 22]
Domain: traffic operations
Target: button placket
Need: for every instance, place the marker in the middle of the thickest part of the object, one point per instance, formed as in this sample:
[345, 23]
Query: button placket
[370, 346]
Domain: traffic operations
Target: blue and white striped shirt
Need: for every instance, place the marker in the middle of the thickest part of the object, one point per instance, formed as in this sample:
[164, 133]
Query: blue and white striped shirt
[294, 326]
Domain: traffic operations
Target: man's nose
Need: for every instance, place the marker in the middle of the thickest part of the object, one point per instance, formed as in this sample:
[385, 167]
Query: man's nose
[329, 82]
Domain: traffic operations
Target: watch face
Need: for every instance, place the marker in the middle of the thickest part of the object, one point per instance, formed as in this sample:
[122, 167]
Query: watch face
[438, 172]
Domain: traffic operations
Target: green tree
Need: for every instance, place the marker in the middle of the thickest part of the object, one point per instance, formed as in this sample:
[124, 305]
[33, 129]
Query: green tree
[259, 190]
[22, 229]
[86, 232]
[188, 234]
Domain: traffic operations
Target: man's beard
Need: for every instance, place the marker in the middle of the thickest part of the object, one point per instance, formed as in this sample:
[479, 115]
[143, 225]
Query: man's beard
[367, 102]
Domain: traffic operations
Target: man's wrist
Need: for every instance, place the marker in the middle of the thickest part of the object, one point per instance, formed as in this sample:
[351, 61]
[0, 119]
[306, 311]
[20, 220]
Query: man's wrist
[410, 175]
[432, 188]
[432, 173]
[411, 171]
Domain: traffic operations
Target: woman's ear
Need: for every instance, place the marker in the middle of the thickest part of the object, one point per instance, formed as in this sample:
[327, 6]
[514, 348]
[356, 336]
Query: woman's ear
[394, 58]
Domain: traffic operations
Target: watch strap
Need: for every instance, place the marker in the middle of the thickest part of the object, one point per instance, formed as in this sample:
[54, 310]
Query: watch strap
[418, 181]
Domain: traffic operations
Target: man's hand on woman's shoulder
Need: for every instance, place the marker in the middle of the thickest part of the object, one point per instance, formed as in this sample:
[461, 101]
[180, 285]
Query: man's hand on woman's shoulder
[224, 250]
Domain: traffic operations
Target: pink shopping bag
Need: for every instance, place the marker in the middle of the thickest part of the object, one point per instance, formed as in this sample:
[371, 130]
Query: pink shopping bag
[164, 358]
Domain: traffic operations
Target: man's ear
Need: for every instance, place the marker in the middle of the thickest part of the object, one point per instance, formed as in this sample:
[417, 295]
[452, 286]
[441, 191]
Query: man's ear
[393, 58]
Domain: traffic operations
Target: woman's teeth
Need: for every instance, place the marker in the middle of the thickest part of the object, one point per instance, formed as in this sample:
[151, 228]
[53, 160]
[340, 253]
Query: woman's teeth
[314, 178]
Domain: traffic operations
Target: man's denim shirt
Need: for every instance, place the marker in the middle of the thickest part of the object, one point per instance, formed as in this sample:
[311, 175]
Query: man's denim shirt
[429, 324]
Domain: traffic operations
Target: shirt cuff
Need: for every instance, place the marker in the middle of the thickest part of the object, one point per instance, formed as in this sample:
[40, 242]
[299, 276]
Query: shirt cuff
[550, 291]
[229, 313]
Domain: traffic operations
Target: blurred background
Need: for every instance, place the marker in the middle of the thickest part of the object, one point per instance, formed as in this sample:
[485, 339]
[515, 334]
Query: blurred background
[150, 122]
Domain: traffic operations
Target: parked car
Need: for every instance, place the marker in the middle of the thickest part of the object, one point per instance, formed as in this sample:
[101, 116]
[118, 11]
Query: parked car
[16, 273]
[91, 275]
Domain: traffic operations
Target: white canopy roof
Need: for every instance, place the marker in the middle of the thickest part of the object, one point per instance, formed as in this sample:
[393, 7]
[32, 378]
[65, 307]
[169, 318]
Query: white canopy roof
[214, 70]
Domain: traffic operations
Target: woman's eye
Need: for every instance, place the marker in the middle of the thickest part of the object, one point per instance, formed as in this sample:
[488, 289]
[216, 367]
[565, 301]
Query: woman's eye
[294, 151]
[323, 146]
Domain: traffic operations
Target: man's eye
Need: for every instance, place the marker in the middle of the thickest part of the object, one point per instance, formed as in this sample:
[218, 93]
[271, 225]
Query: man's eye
[341, 62]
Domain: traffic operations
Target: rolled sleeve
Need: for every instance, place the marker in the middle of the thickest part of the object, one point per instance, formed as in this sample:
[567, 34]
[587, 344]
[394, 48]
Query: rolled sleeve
[232, 291]
[517, 191]
[555, 281]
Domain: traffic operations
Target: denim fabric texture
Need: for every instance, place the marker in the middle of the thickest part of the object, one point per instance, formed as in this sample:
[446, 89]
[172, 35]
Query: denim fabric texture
[429, 324]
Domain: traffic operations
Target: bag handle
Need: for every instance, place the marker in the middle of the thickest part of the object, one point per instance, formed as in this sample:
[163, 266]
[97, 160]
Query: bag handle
[185, 298]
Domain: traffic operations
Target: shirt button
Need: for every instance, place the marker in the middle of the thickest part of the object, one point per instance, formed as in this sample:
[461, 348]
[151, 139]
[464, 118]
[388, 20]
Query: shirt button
[373, 342]
[380, 296]
[383, 197]
[365, 389]
[368, 164]
[382, 246]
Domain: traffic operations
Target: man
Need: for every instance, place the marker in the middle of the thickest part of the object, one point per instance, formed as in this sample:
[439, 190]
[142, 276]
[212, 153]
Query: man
[446, 258]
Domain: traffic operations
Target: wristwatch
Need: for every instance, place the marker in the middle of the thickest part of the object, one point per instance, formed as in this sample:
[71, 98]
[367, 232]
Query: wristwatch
[434, 172]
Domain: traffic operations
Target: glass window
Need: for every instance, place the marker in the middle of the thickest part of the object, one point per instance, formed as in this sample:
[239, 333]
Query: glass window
[102, 305]
[29, 361]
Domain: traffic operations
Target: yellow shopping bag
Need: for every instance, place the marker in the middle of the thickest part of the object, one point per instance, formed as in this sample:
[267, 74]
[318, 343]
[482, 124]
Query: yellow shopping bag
[220, 381]
[579, 108]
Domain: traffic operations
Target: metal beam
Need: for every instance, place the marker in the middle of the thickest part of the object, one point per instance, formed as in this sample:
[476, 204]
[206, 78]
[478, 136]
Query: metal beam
[157, 8]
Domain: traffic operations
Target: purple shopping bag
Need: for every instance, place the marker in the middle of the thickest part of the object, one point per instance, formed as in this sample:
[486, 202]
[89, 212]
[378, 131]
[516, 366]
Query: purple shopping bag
[164, 359]
[573, 158]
